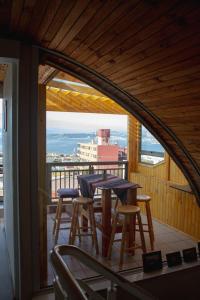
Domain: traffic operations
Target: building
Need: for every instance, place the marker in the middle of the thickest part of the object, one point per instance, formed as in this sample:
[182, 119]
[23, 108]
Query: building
[100, 151]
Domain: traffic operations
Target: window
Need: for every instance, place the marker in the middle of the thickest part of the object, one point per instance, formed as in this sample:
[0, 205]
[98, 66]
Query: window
[151, 151]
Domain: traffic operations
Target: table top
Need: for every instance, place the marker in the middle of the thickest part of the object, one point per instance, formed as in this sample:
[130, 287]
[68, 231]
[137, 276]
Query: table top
[88, 184]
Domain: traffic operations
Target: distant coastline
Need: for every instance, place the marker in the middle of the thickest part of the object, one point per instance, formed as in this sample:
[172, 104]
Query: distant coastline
[66, 143]
[60, 142]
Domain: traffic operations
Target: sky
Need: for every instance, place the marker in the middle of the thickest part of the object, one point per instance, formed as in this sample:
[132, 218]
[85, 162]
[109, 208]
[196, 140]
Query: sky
[80, 122]
[85, 122]
[1, 112]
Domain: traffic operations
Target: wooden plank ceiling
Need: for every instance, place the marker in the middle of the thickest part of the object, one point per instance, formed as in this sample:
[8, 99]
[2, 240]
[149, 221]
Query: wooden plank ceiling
[148, 48]
[66, 93]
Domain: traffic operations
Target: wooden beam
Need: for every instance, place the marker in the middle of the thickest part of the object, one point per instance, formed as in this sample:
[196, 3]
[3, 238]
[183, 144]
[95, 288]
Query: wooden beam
[46, 73]
[132, 144]
[77, 102]
[71, 87]
[42, 197]
[1, 89]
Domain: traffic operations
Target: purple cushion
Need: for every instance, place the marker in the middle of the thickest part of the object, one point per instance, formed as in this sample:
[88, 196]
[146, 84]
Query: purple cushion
[68, 193]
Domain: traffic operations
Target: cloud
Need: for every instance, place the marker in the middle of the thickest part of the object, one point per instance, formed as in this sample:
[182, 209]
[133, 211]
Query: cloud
[80, 122]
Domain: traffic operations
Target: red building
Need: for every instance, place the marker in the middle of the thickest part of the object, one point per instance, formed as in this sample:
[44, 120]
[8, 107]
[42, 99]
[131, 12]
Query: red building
[100, 151]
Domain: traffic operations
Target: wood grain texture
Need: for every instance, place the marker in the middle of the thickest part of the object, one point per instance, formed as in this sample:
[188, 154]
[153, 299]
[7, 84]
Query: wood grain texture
[3, 68]
[72, 101]
[170, 206]
[45, 74]
[148, 50]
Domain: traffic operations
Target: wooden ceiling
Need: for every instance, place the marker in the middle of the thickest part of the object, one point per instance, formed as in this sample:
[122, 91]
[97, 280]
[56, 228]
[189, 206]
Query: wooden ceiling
[67, 82]
[73, 101]
[145, 51]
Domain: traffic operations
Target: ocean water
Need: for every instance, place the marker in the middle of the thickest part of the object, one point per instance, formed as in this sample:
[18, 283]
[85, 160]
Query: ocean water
[67, 143]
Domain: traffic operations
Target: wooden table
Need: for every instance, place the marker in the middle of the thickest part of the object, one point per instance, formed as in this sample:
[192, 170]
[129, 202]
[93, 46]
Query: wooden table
[105, 225]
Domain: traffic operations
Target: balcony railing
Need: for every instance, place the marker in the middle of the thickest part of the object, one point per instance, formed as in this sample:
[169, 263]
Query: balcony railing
[64, 175]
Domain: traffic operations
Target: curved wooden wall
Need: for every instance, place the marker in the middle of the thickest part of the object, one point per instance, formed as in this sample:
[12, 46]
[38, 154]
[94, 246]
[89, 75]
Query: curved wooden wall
[145, 55]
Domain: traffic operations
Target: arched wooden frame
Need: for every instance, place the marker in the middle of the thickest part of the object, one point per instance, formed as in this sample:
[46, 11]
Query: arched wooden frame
[153, 123]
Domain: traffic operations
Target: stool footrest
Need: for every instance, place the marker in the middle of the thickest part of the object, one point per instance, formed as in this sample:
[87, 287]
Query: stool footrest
[87, 234]
[117, 240]
[143, 230]
[62, 228]
[133, 247]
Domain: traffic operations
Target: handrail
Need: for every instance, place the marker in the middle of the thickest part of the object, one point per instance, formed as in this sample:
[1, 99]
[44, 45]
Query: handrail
[87, 163]
[64, 174]
[75, 289]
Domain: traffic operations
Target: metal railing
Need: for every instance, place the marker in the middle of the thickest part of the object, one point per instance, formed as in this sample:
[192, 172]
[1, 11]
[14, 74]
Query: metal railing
[152, 153]
[64, 175]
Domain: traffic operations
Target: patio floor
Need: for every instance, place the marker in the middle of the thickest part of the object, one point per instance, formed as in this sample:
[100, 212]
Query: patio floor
[167, 239]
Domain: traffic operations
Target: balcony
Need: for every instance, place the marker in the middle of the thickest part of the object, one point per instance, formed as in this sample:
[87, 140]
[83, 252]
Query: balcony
[64, 175]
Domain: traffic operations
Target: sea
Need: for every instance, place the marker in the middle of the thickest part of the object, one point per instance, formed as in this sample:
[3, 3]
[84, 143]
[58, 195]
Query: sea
[67, 143]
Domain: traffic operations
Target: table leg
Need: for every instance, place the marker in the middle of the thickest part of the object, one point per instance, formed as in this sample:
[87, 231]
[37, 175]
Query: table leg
[106, 220]
[132, 196]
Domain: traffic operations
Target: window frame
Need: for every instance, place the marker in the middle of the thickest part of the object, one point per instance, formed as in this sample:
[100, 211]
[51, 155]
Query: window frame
[146, 152]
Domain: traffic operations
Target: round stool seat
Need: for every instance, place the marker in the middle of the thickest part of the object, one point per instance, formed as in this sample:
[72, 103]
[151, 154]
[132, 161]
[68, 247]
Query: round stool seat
[143, 198]
[83, 200]
[128, 209]
[68, 193]
[131, 214]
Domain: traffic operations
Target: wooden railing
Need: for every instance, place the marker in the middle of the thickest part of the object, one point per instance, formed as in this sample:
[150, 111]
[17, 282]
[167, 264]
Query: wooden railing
[64, 174]
[66, 286]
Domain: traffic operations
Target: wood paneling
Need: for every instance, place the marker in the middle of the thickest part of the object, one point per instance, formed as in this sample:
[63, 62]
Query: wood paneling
[133, 141]
[146, 49]
[67, 82]
[158, 170]
[70, 101]
[173, 207]
[175, 174]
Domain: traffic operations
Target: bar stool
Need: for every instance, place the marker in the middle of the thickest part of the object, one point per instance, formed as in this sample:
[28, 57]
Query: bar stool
[68, 194]
[129, 214]
[78, 204]
[146, 200]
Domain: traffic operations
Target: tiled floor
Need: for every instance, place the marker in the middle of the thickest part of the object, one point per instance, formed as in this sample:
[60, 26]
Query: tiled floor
[167, 240]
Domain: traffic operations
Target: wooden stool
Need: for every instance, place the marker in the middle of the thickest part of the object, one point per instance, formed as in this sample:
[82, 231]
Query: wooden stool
[78, 204]
[129, 212]
[146, 200]
[68, 194]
